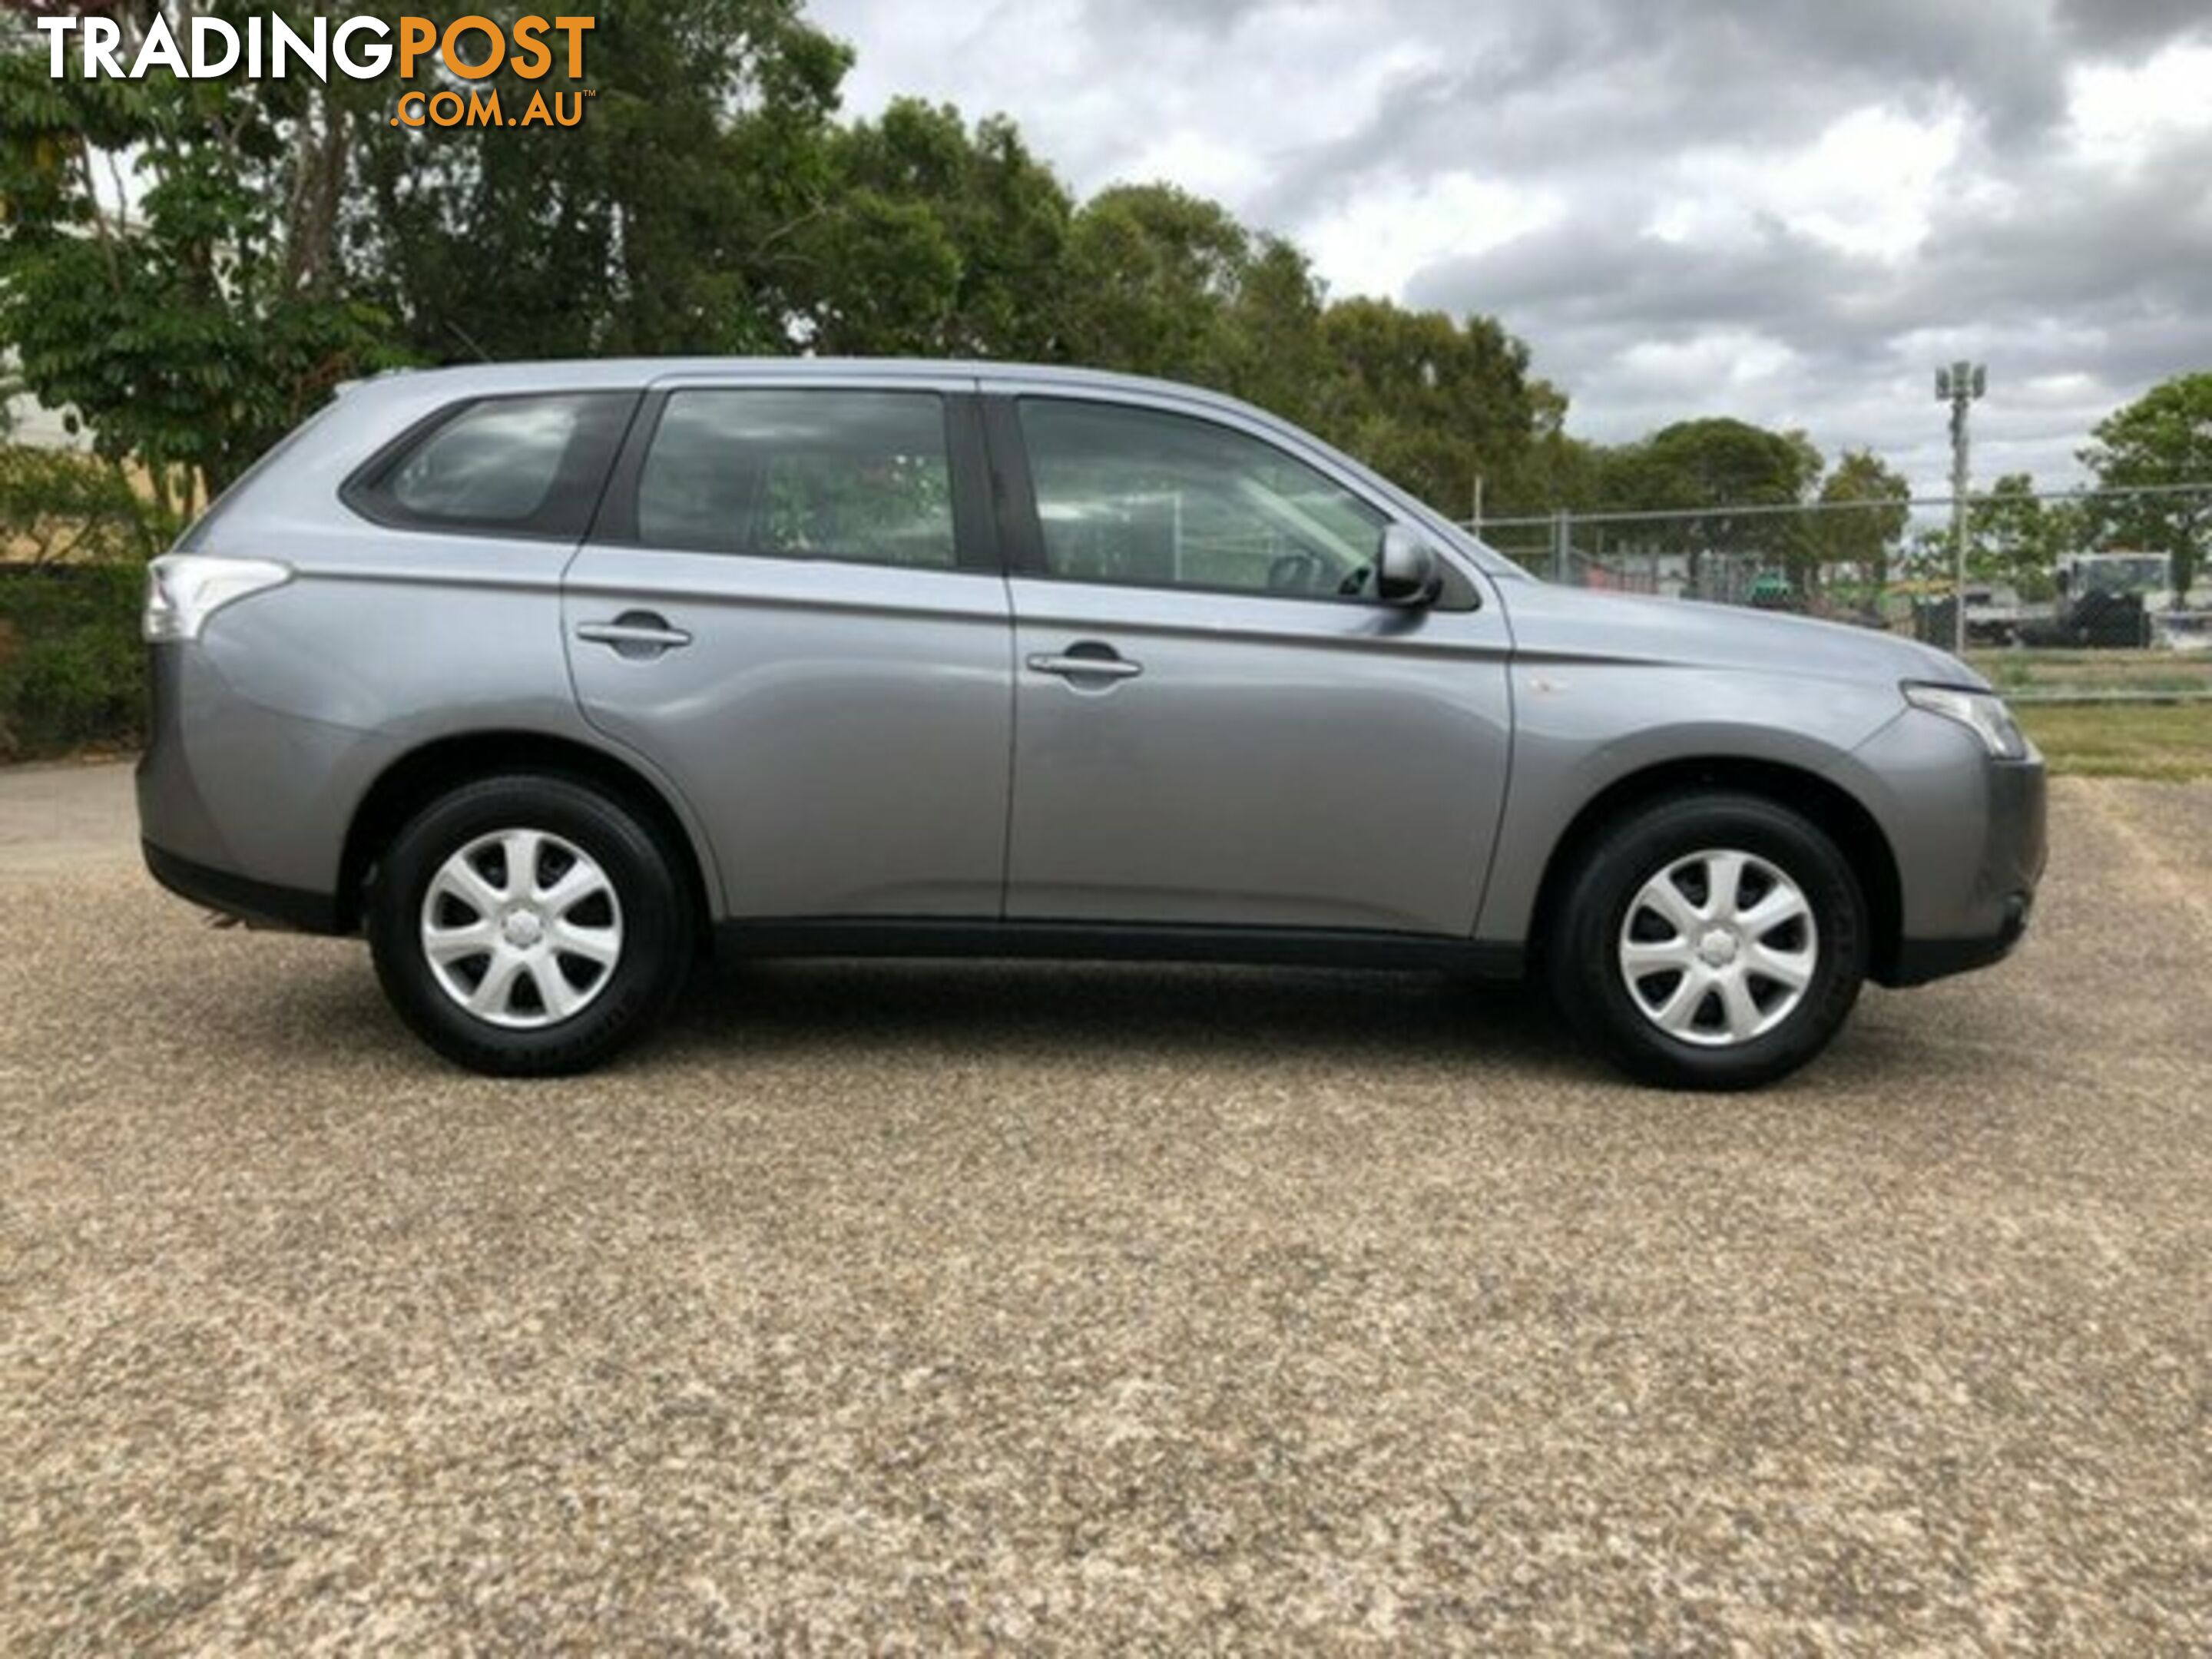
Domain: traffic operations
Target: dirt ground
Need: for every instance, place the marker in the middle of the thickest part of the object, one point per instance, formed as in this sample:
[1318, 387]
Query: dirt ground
[922, 1308]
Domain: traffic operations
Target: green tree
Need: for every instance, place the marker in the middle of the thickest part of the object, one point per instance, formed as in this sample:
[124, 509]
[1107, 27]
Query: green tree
[1274, 353]
[2015, 537]
[186, 303]
[57, 505]
[1707, 470]
[672, 219]
[1153, 275]
[275, 238]
[2162, 439]
[1430, 401]
[1553, 469]
[1927, 556]
[933, 239]
[1862, 520]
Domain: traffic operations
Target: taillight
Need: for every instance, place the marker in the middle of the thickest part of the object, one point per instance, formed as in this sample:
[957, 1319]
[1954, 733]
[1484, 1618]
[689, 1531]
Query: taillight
[183, 590]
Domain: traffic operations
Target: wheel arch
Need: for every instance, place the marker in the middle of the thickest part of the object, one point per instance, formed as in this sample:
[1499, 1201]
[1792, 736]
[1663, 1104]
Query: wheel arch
[417, 778]
[1837, 813]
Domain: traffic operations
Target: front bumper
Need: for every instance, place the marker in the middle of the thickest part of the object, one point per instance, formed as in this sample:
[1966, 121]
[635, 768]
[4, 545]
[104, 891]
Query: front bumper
[1920, 960]
[1991, 891]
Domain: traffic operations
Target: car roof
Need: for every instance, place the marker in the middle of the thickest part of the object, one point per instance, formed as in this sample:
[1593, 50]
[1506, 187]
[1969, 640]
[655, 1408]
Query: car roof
[585, 372]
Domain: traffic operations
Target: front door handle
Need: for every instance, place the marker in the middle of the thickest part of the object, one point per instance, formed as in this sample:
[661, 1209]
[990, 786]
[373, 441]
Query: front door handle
[1086, 660]
[634, 633]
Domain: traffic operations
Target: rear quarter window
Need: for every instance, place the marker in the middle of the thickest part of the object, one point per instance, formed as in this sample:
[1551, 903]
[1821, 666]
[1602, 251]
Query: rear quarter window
[531, 465]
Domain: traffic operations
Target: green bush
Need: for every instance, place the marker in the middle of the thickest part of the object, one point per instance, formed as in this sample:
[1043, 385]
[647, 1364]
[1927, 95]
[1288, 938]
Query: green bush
[72, 670]
[58, 505]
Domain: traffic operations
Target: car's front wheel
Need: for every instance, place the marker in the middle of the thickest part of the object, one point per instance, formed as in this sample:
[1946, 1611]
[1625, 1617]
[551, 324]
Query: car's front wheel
[527, 926]
[1710, 941]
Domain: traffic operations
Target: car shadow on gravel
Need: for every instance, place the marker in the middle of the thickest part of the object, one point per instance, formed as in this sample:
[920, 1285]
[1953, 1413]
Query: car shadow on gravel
[322, 1009]
[329, 1013]
[1108, 1011]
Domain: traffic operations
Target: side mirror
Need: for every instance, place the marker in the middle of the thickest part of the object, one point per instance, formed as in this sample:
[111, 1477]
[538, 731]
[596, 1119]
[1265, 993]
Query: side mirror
[1405, 569]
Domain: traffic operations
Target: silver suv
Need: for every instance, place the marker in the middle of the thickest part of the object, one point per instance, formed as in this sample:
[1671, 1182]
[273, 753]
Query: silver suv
[548, 678]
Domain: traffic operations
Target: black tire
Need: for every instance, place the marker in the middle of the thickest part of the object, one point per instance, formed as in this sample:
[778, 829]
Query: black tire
[656, 915]
[1583, 951]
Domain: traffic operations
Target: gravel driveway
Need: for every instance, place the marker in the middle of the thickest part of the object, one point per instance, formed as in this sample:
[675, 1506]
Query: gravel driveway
[921, 1307]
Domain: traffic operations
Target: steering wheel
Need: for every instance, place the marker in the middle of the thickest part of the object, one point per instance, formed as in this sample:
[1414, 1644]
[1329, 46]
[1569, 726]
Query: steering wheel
[1296, 573]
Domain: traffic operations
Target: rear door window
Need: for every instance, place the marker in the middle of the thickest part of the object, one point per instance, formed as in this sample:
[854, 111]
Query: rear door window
[860, 477]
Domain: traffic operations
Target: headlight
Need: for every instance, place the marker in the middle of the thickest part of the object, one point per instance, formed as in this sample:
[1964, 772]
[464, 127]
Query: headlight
[183, 590]
[1982, 712]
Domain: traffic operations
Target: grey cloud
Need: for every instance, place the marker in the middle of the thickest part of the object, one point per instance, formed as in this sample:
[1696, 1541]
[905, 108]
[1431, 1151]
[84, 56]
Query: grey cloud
[1598, 278]
[2074, 243]
[2125, 26]
[1579, 92]
[2081, 287]
[2083, 274]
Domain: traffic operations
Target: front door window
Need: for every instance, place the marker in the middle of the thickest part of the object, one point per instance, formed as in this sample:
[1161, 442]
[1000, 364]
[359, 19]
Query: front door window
[1147, 498]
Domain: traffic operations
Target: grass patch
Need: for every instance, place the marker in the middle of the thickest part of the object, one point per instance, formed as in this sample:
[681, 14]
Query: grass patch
[2049, 672]
[2124, 740]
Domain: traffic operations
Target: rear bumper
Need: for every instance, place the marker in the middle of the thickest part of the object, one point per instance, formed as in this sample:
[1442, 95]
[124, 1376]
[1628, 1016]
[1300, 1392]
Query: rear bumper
[233, 895]
[239, 802]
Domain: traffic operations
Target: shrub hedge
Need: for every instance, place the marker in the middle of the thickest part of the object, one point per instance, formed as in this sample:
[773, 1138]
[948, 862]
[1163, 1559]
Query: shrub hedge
[72, 670]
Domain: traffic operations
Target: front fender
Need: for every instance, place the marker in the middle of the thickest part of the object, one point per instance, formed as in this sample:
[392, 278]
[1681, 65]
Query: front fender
[1580, 728]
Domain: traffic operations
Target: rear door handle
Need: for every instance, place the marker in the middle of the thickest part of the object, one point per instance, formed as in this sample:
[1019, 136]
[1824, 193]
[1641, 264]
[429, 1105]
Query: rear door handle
[634, 633]
[1087, 662]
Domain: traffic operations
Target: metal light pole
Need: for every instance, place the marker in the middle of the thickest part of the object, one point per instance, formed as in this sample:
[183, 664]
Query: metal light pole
[1960, 385]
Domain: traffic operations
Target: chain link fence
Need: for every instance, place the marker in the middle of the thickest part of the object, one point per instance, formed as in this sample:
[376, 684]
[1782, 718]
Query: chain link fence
[2071, 570]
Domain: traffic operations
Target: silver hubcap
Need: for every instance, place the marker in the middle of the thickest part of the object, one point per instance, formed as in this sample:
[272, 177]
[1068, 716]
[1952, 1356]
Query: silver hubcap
[1719, 947]
[521, 928]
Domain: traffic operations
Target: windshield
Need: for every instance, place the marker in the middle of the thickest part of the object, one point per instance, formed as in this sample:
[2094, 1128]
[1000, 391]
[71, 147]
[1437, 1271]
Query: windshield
[2125, 574]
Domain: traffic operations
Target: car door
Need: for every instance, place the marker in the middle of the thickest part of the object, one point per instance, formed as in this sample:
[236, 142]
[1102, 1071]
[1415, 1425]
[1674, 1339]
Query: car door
[791, 603]
[1216, 724]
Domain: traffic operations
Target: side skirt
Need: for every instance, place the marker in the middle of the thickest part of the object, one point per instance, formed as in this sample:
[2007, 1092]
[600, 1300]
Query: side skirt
[1084, 941]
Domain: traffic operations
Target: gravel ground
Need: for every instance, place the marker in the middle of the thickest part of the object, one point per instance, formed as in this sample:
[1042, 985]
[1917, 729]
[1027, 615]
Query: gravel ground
[914, 1307]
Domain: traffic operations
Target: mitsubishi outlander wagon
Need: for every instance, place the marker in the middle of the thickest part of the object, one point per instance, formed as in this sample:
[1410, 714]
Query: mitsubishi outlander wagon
[548, 678]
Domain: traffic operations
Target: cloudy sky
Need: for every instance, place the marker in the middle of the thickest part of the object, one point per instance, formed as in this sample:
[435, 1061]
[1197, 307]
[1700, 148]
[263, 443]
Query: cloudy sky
[1787, 211]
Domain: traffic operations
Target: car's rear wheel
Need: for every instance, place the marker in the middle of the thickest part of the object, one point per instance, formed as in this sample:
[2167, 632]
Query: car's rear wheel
[1710, 941]
[526, 925]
